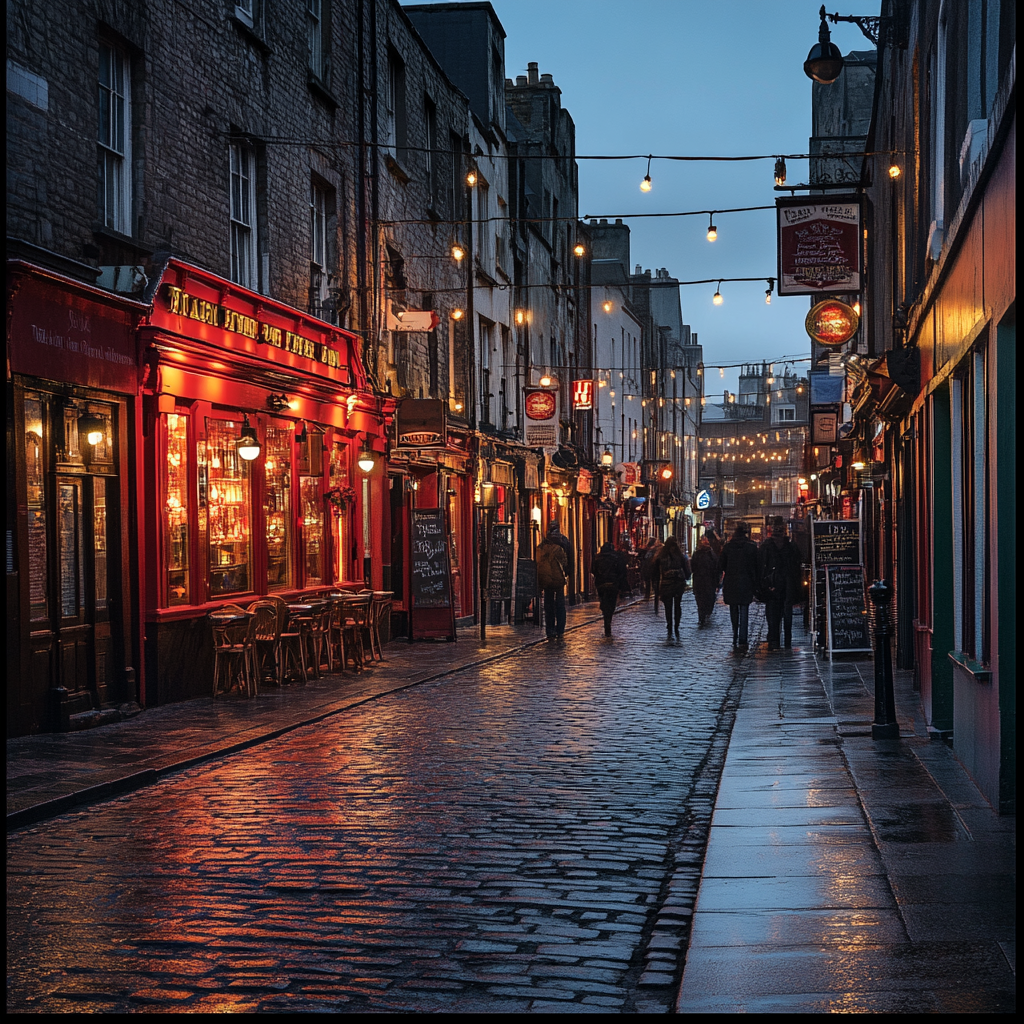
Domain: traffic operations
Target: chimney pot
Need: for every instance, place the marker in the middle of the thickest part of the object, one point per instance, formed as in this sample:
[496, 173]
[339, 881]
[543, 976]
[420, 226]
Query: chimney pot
[604, 220]
[531, 72]
[618, 220]
[520, 79]
[547, 79]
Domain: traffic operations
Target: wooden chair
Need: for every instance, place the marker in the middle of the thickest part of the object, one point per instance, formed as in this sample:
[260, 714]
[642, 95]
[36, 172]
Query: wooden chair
[380, 608]
[320, 637]
[233, 655]
[266, 640]
[292, 639]
[355, 612]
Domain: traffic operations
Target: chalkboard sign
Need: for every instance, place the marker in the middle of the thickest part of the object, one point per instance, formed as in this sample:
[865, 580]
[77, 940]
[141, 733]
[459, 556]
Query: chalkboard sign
[431, 575]
[526, 586]
[432, 615]
[499, 562]
[847, 613]
[836, 542]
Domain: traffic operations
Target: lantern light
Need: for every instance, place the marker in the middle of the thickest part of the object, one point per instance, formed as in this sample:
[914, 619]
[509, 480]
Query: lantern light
[247, 445]
[471, 178]
[366, 461]
[780, 171]
[607, 458]
[93, 427]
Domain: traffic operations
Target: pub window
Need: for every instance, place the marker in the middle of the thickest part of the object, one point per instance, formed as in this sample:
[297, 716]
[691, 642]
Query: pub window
[243, 215]
[341, 506]
[230, 508]
[35, 475]
[430, 156]
[114, 131]
[278, 506]
[397, 124]
[177, 588]
[311, 506]
[321, 213]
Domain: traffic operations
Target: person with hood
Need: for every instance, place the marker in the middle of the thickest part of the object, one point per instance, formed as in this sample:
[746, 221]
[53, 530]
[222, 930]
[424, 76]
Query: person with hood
[781, 576]
[552, 574]
[610, 579]
[674, 571]
[738, 561]
[706, 577]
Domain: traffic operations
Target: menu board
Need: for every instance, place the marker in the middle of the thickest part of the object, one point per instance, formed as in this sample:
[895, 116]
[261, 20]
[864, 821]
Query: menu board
[431, 573]
[526, 585]
[836, 542]
[499, 562]
[847, 611]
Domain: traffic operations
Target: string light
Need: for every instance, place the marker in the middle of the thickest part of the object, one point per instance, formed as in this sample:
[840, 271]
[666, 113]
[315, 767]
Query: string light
[780, 171]
[645, 185]
[712, 230]
[717, 297]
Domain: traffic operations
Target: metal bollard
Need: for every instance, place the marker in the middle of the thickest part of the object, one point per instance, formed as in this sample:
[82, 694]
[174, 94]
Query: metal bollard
[885, 726]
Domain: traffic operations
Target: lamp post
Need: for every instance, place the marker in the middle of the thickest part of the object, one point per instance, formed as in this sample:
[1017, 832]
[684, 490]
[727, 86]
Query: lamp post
[885, 726]
[486, 499]
[824, 63]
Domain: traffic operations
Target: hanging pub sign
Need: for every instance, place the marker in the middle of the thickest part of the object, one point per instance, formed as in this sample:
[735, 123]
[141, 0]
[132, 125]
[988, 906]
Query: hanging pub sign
[819, 243]
[831, 323]
[582, 395]
[413, 320]
[420, 423]
[703, 499]
[541, 406]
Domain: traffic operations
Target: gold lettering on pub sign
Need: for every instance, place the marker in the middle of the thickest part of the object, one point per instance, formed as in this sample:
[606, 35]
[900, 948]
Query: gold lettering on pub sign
[180, 303]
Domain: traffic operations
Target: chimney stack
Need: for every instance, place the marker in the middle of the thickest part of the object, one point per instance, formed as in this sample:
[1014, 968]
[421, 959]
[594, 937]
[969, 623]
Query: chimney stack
[532, 73]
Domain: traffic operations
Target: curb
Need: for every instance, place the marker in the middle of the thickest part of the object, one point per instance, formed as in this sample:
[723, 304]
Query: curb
[140, 780]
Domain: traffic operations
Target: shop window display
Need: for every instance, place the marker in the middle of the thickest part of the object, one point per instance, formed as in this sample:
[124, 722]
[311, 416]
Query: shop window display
[176, 508]
[35, 474]
[278, 506]
[342, 498]
[230, 511]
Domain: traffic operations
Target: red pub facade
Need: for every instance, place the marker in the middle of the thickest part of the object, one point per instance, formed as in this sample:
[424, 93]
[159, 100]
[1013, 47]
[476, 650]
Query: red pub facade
[298, 514]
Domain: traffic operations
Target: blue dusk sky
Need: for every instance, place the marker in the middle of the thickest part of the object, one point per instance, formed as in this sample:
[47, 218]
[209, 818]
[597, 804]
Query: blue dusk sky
[688, 78]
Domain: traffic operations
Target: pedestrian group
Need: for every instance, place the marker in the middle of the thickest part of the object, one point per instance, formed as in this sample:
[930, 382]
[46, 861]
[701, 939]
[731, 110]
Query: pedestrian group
[742, 571]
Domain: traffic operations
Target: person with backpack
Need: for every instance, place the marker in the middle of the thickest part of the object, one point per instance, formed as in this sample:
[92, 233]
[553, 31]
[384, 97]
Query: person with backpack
[674, 571]
[781, 574]
[552, 575]
[610, 581]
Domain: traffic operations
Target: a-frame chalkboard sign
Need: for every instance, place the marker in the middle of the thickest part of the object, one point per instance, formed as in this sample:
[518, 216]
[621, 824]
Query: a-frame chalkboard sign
[431, 609]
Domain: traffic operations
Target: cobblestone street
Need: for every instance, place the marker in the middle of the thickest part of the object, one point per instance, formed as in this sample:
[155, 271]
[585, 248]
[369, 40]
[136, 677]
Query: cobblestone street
[520, 836]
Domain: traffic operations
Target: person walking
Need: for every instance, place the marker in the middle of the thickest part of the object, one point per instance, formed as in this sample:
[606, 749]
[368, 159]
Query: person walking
[552, 573]
[674, 570]
[738, 561]
[610, 581]
[649, 573]
[781, 576]
[706, 577]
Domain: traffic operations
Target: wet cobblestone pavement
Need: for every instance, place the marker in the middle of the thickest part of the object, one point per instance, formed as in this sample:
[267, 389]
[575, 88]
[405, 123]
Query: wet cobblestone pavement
[525, 835]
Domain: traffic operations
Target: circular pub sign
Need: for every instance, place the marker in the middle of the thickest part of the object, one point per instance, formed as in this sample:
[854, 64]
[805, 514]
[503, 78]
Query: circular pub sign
[831, 322]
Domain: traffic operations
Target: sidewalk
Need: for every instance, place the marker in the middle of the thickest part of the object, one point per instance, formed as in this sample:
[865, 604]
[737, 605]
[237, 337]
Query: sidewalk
[844, 874]
[50, 773]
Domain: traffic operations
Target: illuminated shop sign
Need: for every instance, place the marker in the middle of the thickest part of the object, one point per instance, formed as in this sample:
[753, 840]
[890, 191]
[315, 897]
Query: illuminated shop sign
[819, 245]
[181, 303]
[831, 323]
[582, 395]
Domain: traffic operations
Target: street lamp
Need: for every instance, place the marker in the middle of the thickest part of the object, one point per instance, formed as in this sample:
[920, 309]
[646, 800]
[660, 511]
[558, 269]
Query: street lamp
[824, 62]
[367, 460]
[247, 445]
[607, 458]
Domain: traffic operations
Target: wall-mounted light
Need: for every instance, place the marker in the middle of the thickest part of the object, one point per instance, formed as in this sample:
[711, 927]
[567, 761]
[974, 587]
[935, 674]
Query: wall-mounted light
[92, 428]
[894, 171]
[471, 178]
[712, 230]
[278, 402]
[458, 253]
[247, 445]
[547, 380]
[607, 459]
[520, 316]
[457, 314]
[367, 460]
[458, 406]
[606, 306]
[579, 250]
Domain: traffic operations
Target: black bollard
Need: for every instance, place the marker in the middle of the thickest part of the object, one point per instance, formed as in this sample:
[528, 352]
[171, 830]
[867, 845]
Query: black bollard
[885, 726]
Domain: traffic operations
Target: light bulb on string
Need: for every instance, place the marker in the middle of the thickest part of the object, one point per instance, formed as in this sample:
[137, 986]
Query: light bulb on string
[780, 171]
[769, 290]
[712, 230]
[645, 185]
[717, 298]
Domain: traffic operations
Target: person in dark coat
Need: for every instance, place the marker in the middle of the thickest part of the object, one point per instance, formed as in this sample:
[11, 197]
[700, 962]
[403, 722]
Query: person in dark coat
[552, 574]
[738, 561]
[674, 571]
[649, 570]
[610, 580]
[706, 577]
[781, 575]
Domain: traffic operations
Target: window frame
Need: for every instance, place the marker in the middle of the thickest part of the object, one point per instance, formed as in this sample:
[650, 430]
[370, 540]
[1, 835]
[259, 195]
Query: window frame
[113, 164]
[244, 269]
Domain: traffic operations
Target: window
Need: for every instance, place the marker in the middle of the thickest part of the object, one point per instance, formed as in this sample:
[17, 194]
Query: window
[784, 413]
[224, 487]
[784, 490]
[430, 156]
[458, 183]
[243, 216]
[277, 505]
[315, 36]
[397, 140]
[114, 128]
[176, 584]
[321, 212]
